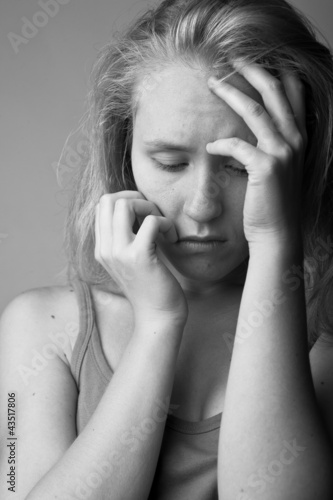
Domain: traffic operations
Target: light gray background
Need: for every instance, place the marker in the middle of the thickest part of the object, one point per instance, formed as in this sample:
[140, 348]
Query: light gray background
[43, 86]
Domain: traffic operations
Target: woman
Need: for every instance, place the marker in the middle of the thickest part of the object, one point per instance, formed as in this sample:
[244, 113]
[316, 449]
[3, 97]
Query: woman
[200, 219]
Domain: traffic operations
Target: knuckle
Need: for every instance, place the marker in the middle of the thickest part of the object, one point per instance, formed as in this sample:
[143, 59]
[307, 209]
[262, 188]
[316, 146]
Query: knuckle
[289, 114]
[120, 203]
[243, 146]
[235, 142]
[275, 85]
[254, 108]
[299, 142]
[286, 152]
[105, 198]
[266, 133]
[151, 221]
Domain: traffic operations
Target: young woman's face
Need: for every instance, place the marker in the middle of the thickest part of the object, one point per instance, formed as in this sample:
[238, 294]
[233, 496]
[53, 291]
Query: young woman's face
[201, 193]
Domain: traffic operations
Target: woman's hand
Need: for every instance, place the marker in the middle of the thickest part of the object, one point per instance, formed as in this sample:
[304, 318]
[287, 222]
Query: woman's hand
[273, 197]
[131, 260]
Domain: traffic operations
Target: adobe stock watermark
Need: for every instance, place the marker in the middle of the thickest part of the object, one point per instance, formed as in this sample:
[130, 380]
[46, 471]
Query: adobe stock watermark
[151, 80]
[131, 439]
[71, 159]
[263, 309]
[292, 277]
[268, 474]
[30, 29]
[40, 359]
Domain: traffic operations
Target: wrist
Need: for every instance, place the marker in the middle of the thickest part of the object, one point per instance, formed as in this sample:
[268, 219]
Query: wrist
[158, 317]
[273, 264]
[152, 330]
[289, 245]
[160, 321]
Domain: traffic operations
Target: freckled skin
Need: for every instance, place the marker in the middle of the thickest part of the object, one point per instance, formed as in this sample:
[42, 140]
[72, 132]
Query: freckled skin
[181, 108]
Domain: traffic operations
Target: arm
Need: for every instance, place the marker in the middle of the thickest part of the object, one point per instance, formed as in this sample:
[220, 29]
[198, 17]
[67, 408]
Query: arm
[141, 384]
[273, 441]
[114, 450]
[275, 445]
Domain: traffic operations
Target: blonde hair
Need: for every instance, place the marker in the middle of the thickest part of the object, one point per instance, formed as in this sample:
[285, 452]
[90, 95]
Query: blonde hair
[210, 33]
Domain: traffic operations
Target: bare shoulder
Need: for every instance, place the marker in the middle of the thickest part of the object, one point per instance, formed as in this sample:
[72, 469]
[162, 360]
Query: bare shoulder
[55, 313]
[321, 361]
[34, 372]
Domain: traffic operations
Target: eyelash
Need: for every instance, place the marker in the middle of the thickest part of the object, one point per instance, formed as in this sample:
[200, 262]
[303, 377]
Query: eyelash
[178, 166]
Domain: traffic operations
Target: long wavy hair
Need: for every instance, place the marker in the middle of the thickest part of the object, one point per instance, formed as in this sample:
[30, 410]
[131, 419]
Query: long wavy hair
[211, 33]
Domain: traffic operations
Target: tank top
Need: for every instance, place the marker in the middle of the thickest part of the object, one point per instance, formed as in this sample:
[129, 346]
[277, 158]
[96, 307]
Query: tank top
[187, 463]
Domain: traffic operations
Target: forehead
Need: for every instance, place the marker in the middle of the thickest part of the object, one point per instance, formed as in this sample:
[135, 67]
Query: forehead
[177, 100]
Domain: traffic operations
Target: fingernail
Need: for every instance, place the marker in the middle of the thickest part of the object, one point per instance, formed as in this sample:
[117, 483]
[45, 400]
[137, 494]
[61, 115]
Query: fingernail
[214, 82]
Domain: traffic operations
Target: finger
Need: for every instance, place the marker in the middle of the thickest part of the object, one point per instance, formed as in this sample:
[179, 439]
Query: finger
[106, 209]
[124, 214]
[274, 96]
[295, 91]
[252, 112]
[242, 151]
[168, 230]
[151, 227]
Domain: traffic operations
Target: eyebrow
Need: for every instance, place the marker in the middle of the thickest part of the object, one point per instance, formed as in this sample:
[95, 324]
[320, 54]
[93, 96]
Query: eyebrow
[160, 145]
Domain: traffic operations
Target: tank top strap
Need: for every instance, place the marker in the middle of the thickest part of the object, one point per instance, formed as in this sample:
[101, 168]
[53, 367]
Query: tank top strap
[86, 324]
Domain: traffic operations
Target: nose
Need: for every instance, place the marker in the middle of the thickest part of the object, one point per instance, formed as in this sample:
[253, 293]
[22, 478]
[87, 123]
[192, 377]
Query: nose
[204, 200]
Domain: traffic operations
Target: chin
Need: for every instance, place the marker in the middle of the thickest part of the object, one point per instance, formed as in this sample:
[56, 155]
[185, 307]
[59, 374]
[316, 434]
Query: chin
[204, 271]
[202, 268]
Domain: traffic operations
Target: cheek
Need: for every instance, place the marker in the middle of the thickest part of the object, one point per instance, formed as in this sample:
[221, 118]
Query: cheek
[155, 186]
[159, 192]
[234, 200]
[165, 198]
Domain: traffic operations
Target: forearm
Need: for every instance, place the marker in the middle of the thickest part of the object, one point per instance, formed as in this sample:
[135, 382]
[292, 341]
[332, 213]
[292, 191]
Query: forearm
[119, 446]
[270, 399]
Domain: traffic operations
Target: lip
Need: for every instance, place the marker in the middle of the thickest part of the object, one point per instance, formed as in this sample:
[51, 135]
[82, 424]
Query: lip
[199, 246]
[201, 239]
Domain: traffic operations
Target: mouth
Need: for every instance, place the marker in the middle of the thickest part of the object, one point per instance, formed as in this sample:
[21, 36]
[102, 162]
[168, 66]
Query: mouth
[202, 245]
[202, 239]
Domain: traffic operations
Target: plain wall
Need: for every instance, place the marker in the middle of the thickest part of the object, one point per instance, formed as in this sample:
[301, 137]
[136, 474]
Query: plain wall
[43, 86]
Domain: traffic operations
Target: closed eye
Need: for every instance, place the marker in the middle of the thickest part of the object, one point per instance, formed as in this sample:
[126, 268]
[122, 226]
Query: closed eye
[179, 166]
[238, 171]
[170, 168]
